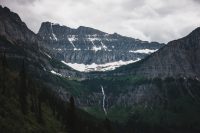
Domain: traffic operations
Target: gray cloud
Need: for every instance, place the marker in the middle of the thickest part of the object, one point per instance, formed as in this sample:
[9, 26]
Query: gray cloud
[24, 2]
[151, 20]
[197, 1]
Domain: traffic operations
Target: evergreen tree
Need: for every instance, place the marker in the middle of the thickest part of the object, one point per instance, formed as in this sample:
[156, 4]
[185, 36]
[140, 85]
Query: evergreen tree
[4, 66]
[33, 96]
[40, 118]
[71, 119]
[23, 92]
[72, 105]
[108, 126]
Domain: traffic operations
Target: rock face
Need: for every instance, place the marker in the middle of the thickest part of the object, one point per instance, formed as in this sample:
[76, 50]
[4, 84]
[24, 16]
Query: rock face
[179, 58]
[22, 42]
[86, 45]
[14, 29]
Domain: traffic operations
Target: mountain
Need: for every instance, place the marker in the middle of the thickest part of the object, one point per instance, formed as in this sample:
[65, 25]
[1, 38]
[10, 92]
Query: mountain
[142, 97]
[17, 41]
[10, 21]
[20, 42]
[33, 97]
[179, 58]
[92, 49]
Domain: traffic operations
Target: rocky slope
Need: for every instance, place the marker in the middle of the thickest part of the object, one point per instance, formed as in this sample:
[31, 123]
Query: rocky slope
[88, 46]
[173, 102]
[179, 58]
[19, 42]
[14, 29]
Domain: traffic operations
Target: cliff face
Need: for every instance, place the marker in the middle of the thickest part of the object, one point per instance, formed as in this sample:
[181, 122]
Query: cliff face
[129, 86]
[19, 43]
[179, 58]
[86, 45]
[14, 29]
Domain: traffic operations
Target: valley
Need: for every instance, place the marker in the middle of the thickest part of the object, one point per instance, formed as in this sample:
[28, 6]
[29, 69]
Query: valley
[85, 80]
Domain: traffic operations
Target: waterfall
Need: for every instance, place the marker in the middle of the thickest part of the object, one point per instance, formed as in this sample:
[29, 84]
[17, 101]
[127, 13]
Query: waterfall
[104, 97]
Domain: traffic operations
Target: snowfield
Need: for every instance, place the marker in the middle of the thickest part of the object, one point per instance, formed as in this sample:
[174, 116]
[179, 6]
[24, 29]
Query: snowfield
[143, 51]
[98, 67]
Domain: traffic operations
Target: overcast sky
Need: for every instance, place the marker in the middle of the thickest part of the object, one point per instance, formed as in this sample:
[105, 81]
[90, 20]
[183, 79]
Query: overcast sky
[150, 20]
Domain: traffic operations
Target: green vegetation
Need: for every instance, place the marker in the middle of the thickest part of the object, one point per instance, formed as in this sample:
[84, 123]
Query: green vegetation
[178, 110]
[14, 113]
[114, 85]
[29, 106]
[29, 102]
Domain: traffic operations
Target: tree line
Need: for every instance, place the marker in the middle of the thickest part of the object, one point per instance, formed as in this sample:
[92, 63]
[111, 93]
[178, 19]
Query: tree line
[33, 96]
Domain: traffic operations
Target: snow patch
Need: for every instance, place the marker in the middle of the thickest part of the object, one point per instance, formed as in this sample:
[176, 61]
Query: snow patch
[143, 51]
[104, 46]
[96, 37]
[95, 48]
[93, 39]
[55, 73]
[54, 36]
[99, 67]
[47, 55]
[71, 39]
[59, 49]
[77, 49]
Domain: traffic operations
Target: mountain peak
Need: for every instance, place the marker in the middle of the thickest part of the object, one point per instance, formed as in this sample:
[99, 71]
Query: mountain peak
[5, 13]
[88, 30]
[5, 9]
[195, 32]
[47, 26]
[9, 21]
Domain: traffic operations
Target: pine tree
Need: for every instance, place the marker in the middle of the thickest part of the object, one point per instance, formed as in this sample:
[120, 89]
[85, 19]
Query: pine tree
[40, 115]
[23, 92]
[4, 66]
[72, 105]
[71, 119]
[33, 96]
[108, 126]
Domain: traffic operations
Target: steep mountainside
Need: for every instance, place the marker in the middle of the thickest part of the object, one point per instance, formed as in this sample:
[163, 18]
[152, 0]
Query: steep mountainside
[179, 58]
[147, 96]
[20, 42]
[9, 25]
[88, 46]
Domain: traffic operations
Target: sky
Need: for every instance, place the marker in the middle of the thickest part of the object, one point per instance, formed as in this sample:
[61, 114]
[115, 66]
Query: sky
[148, 20]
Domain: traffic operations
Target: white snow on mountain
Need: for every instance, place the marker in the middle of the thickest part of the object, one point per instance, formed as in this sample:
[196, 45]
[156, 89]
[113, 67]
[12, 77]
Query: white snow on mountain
[143, 51]
[55, 73]
[54, 36]
[95, 48]
[77, 49]
[98, 67]
[71, 39]
[103, 46]
[47, 55]
[92, 38]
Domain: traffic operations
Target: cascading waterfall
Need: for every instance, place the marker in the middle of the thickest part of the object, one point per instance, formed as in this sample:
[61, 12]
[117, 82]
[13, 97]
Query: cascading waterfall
[104, 97]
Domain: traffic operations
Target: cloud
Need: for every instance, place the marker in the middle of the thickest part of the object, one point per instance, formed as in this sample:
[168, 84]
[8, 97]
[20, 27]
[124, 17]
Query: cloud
[151, 20]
